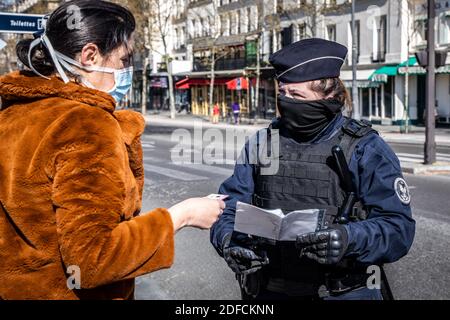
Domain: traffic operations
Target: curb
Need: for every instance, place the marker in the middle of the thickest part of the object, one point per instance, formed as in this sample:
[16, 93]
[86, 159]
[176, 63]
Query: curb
[415, 168]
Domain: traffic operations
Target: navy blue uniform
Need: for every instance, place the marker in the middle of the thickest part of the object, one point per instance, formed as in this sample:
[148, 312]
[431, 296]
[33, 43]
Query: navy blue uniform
[384, 237]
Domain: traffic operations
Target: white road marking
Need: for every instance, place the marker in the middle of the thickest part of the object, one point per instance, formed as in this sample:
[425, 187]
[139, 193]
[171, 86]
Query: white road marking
[412, 157]
[171, 173]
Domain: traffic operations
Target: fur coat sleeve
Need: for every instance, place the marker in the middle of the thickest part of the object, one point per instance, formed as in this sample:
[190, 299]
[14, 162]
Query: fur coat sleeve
[96, 227]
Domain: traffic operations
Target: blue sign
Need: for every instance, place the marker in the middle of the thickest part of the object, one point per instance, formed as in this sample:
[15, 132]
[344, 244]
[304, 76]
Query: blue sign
[20, 23]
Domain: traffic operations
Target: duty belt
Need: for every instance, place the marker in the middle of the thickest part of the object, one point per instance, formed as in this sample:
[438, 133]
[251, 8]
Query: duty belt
[332, 286]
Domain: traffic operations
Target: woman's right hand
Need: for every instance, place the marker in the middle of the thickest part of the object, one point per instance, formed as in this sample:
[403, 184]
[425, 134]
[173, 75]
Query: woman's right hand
[196, 212]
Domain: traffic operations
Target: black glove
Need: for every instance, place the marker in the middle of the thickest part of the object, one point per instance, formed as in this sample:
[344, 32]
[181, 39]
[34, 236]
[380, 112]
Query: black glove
[326, 246]
[242, 260]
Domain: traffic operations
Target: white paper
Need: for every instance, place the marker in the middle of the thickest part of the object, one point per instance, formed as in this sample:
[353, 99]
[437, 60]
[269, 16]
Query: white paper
[273, 224]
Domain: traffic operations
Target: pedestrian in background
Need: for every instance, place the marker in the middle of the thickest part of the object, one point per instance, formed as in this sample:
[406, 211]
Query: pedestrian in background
[216, 113]
[236, 110]
[71, 169]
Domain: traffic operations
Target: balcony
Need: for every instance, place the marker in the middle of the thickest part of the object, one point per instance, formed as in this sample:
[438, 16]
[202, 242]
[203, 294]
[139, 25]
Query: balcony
[224, 64]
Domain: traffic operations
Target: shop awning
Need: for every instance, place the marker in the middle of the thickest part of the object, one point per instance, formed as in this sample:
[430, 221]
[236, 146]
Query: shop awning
[362, 78]
[182, 84]
[188, 82]
[240, 83]
[382, 74]
[411, 66]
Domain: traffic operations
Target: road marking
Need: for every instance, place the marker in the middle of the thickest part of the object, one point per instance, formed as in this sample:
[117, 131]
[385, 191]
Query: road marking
[404, 159]
[171, 173]
[208, 168]
[418, 158]
[148, 145]
[195, 166]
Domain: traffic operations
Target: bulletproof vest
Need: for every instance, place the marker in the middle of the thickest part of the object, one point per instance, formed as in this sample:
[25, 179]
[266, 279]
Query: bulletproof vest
[307, 178]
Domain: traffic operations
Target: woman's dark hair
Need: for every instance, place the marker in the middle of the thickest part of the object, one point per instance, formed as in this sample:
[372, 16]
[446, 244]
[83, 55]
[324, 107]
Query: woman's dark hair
[76, 23]
[333, 88]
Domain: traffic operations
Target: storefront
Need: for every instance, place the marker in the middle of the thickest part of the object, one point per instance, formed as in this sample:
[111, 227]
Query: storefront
[379, 101]
[417, 91]
[226, 91]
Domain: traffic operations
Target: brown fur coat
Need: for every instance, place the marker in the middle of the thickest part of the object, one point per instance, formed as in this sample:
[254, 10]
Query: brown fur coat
[71, 179]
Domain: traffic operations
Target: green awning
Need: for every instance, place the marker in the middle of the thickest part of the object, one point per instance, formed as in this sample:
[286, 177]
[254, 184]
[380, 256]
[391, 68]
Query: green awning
[414, 68]
[381, 74]
[412, 61]
[412, 65]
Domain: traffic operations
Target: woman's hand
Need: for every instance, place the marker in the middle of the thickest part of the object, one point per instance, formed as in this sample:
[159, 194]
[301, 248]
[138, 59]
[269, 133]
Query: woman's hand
[196, 212]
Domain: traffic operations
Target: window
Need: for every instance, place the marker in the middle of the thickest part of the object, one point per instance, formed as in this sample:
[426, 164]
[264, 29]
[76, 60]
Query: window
[365, 102]
[389, 91]
[422, 28]
[380, 41]
[331, 32]
[302, 31]
[286, 36]
[183, 35]
[444, 28]
[249, 14]
[232, 23]
[238, 22]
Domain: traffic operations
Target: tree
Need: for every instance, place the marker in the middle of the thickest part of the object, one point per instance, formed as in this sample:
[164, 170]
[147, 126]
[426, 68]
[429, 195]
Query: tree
[153, 19]
[312, 11]
[217, 52]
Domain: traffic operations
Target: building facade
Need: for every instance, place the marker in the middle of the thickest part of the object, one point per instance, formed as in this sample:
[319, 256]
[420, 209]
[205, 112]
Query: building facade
[388, 34]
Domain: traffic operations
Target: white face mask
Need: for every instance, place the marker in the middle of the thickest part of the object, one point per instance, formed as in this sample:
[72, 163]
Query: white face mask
[123, 78]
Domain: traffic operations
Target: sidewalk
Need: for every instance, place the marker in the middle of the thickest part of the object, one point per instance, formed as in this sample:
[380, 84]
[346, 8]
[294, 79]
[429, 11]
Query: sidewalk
[416, 135]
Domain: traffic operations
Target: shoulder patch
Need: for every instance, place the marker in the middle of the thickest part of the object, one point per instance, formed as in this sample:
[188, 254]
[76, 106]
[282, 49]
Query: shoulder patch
[402, 190]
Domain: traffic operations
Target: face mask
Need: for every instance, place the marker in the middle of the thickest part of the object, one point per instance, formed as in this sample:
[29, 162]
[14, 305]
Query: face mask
[305, 119]
[123, 78]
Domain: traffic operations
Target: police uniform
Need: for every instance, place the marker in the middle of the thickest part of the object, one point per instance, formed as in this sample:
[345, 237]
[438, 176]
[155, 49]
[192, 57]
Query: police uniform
[379, 230]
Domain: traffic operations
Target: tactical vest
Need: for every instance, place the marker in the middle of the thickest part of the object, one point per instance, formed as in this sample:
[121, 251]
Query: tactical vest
[307, 178]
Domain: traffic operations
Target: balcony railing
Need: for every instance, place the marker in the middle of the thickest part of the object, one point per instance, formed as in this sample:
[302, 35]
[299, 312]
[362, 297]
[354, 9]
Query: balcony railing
[223, 64]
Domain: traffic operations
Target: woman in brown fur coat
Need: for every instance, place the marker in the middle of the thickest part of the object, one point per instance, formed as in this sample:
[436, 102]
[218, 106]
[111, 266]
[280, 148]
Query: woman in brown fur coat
[71, 171]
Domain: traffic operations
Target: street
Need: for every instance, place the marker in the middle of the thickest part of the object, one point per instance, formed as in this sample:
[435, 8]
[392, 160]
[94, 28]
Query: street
[199, 273]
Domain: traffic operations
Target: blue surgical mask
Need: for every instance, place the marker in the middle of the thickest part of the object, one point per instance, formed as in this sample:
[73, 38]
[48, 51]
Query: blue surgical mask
[123, 78]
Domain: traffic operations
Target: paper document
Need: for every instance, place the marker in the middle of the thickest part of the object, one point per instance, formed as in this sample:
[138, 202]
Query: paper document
[274, 224]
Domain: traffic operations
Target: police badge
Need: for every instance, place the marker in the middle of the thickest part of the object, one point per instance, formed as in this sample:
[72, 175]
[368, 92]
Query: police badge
[402, 191]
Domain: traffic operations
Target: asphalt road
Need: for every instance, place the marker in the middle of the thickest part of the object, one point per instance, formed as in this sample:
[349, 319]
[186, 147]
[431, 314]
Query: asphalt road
[199, 273]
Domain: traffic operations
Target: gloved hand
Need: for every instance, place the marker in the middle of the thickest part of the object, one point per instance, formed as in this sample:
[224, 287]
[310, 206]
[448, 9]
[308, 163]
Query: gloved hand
[325, 246]
[242, 260]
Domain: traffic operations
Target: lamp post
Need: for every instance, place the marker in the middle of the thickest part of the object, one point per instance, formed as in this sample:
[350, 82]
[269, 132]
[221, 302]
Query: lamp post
[355, 97]
[430, 143]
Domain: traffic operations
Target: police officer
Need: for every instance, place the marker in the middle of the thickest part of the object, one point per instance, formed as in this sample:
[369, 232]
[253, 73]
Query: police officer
[331, 263]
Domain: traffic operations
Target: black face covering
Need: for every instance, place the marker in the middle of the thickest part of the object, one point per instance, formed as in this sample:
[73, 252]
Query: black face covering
[304, 119]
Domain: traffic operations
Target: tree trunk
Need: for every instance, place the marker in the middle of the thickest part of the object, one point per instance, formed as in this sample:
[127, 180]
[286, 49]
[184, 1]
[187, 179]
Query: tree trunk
[171, 89]
[144, 92]
[258, 76]
[211, 85]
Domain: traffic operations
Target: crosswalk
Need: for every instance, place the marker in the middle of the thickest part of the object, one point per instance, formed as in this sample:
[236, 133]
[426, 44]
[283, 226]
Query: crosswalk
[197, 172]
[185, 172]
[418, 158]
[200, 172]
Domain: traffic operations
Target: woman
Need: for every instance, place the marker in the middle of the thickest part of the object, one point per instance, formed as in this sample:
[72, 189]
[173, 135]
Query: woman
[334, 261]
[71, 171]
[216, 113]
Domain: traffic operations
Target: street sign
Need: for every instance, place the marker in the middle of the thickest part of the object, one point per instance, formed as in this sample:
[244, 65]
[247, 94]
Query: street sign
[20, 23]
[2, 44]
